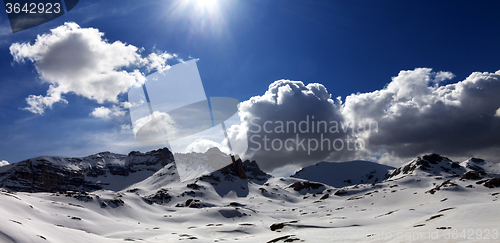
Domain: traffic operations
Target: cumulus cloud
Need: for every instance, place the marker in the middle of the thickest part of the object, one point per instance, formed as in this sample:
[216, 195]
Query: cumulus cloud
[272, 123]
[3, 162]
[413, 114]
[80, 61]
[158, 61]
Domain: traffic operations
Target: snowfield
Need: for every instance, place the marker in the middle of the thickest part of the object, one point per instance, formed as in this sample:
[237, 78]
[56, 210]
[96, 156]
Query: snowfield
[428, 199]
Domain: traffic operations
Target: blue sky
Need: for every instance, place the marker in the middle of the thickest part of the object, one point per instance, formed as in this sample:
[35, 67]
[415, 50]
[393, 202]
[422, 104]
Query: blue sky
[243, 47]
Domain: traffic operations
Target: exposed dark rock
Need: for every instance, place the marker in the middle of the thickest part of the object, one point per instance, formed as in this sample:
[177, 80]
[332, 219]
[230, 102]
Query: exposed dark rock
[115, 202]
[443, 228]
[43, 176]
[160, 197]
[301, 185]
[481, 181]
[236, 204]
[340, 192]
[237, 166]
[473, 175]
[96, 171]
[434, 217]
[491, 183]
[277, 226]
[447, 183]
[188, 193]
[194, 186]
[252, 170]
[79, 195]
[433, 158]
[118, 170]
[194, 203]
[286, 238]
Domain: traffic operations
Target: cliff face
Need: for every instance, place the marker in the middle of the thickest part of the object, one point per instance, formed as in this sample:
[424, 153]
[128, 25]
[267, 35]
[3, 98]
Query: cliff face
[99, 171]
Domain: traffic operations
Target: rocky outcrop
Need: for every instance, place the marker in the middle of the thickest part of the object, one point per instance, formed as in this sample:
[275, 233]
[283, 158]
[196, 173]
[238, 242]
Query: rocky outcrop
[160, 197]
[307, 187]
[252, 170]
[473, 175]
[492, 183]
[237, 166]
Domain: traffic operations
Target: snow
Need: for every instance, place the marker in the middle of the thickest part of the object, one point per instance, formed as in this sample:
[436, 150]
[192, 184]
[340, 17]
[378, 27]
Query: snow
[400, 209]
[3, 162]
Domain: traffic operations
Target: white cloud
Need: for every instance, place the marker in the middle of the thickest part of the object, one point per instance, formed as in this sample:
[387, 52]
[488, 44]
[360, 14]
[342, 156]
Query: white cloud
[285, 171]
[497, 113]
[3, 162]
[202, 145]
[126, 127]
[78, 60]
[391, 159]
[154, 128]
[158, 61]
[106, 113]
[285, 101]
[417, 117]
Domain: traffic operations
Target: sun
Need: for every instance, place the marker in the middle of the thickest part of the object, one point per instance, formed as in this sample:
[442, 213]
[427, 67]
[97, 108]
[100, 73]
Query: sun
[210, 7]
[206, 4]
[202, 16]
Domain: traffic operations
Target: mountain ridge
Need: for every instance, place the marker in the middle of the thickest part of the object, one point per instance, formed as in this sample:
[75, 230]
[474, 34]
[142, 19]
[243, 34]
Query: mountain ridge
[93, 172]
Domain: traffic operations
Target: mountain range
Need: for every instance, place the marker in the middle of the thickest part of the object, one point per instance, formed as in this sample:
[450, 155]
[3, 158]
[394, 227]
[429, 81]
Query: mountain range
[109, 197]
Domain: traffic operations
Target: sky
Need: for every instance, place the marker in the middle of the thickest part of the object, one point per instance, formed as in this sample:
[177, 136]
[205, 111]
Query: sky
[425, 72]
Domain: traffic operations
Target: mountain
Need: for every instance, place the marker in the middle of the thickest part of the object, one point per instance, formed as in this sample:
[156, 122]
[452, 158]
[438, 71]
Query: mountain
[143, 199]
[340, 174]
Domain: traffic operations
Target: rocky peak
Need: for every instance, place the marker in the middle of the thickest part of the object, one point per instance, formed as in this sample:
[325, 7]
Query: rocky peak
[237, 166]
[430, 164]
[253, 170]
